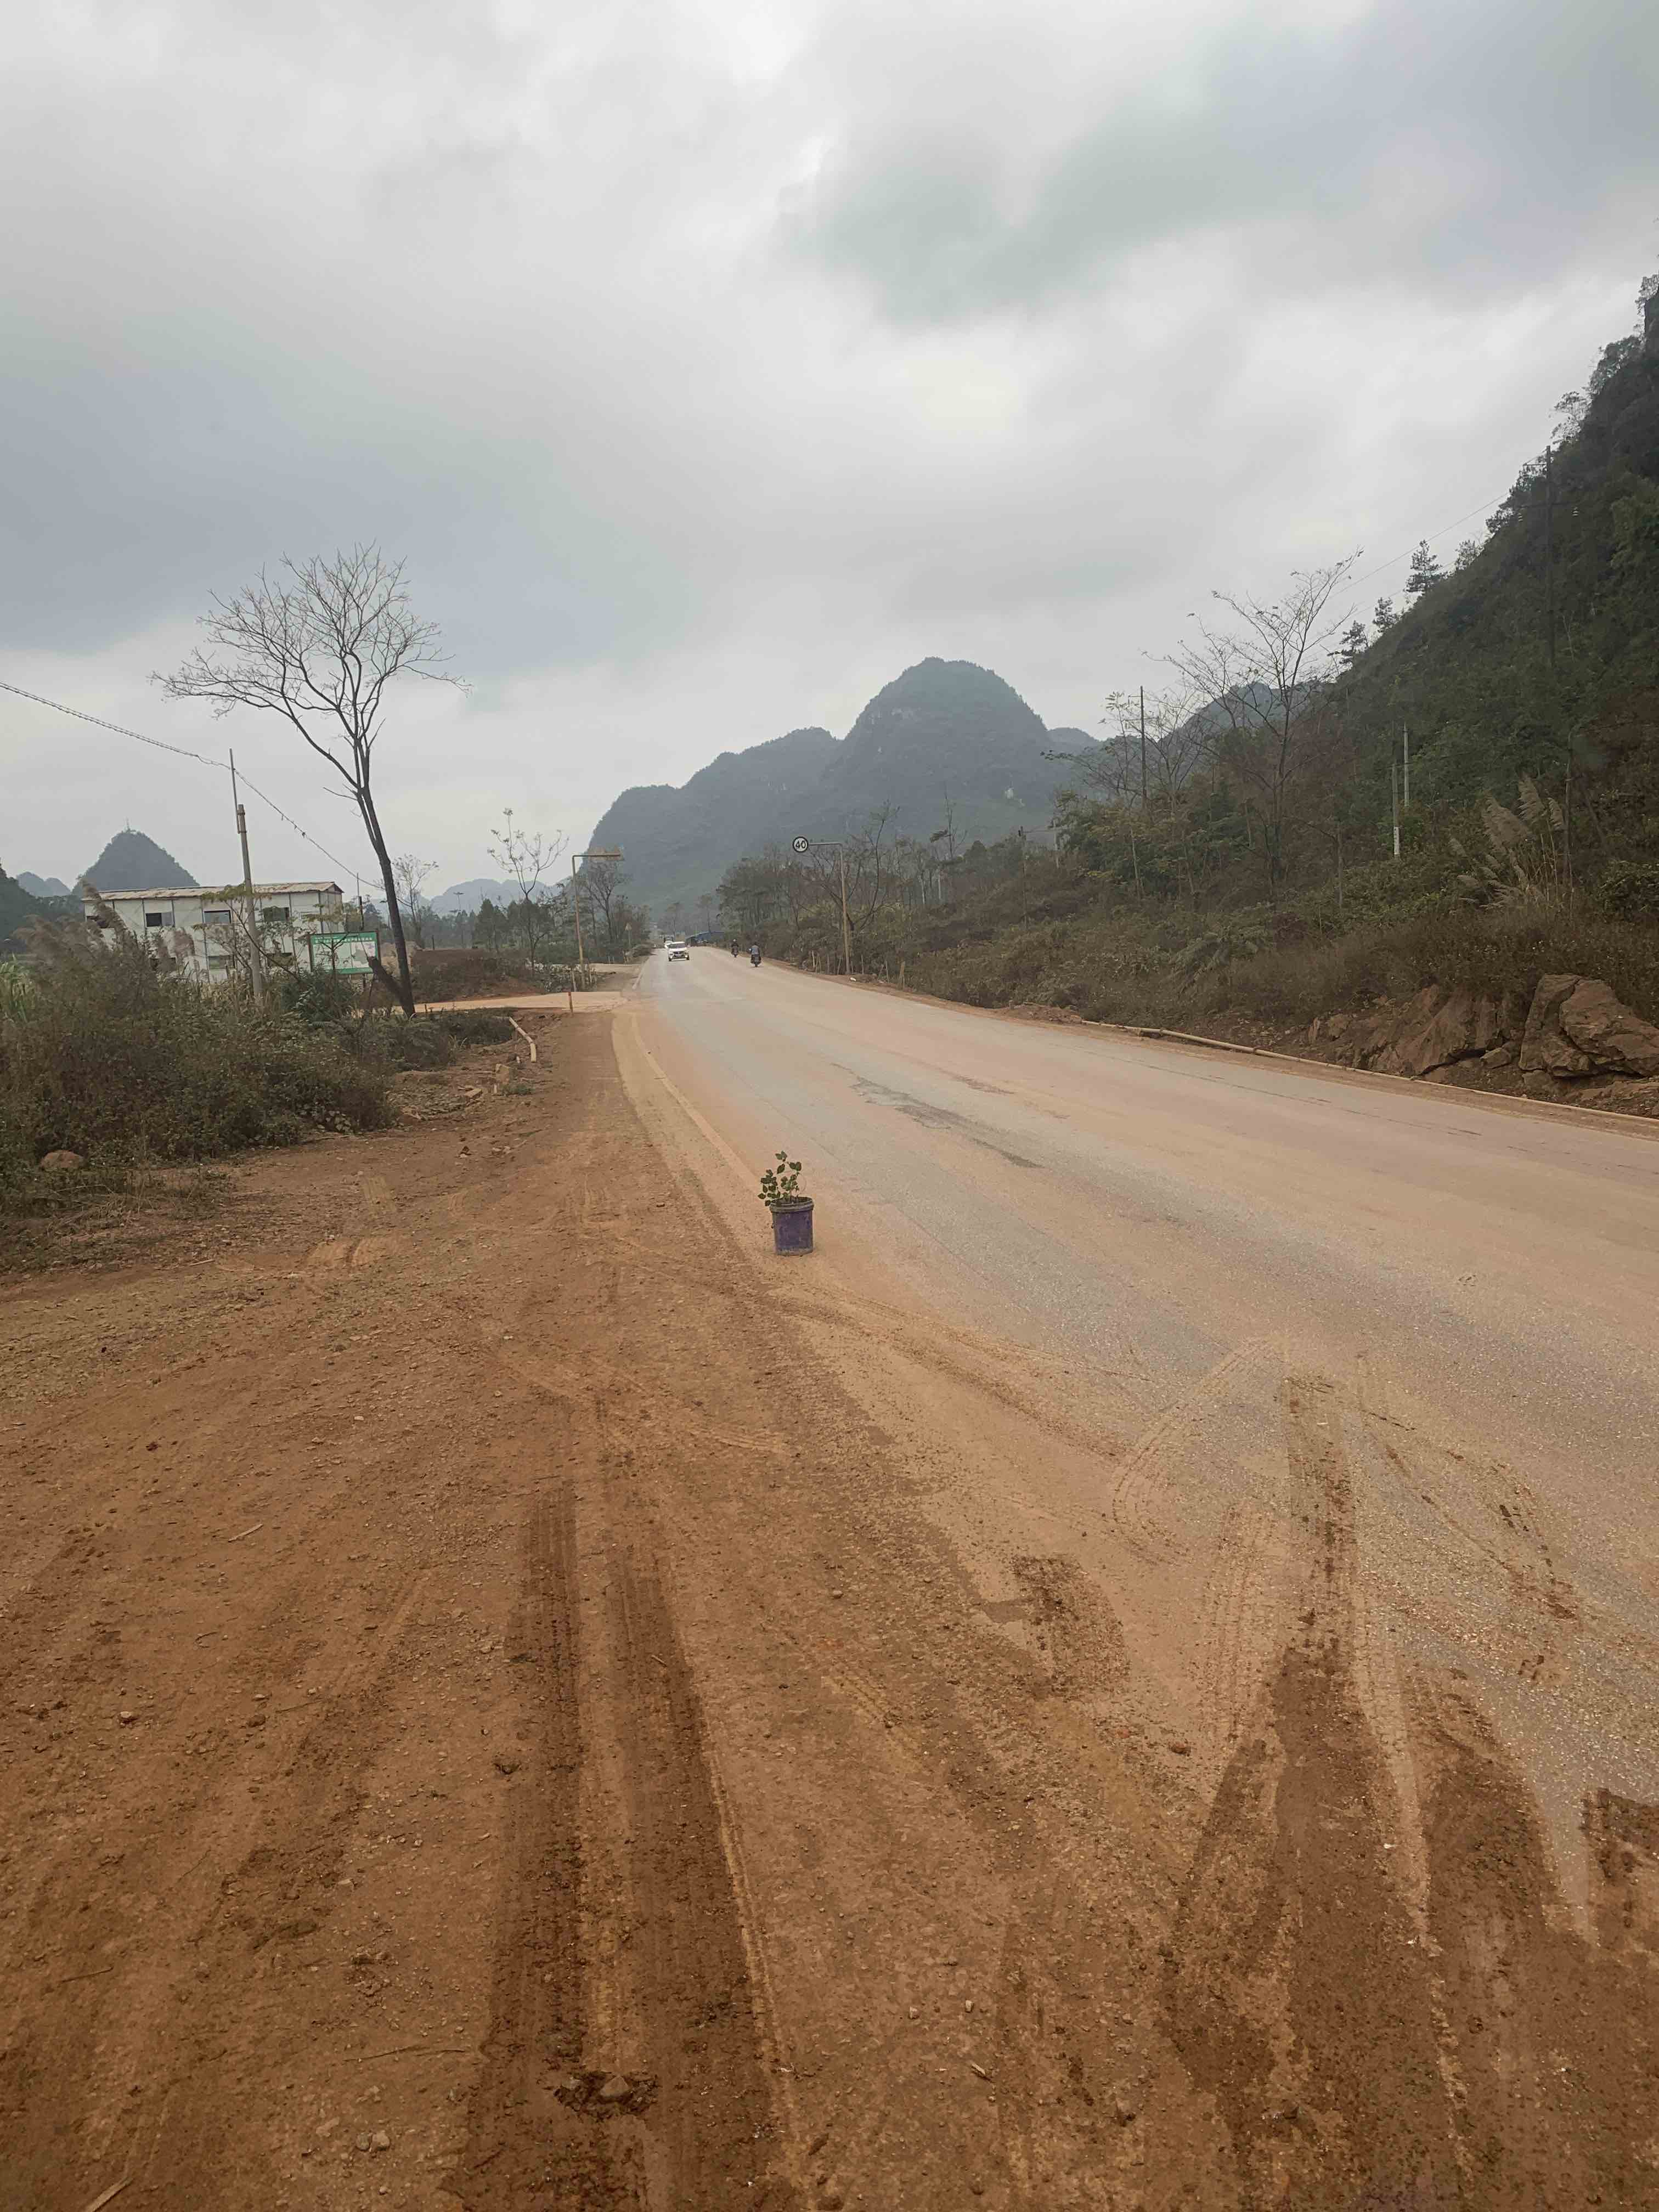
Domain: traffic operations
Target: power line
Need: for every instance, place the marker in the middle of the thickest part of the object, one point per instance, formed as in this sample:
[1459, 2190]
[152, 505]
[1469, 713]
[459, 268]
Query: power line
[1433, 538]
[184, 753]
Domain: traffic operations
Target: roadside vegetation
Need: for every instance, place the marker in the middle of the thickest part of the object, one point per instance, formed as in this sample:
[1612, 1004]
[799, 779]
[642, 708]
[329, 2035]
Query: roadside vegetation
[125, 1064]
[1234, 853]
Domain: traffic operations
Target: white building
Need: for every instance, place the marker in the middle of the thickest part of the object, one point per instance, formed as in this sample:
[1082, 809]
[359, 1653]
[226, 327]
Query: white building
[200, 927]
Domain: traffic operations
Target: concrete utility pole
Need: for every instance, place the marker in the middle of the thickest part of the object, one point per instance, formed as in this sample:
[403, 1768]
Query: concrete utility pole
[256, 961]
[1143, 748]
[1405, 740]
[846, 935]
[1393, 801]
[1549, 551]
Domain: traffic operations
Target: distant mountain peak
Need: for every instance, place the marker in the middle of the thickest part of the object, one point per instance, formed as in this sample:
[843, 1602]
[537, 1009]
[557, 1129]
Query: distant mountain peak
[132, 862]
[944, 737]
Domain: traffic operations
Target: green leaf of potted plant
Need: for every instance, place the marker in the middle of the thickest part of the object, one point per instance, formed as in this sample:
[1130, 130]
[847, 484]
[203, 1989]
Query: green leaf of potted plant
[792, 1214]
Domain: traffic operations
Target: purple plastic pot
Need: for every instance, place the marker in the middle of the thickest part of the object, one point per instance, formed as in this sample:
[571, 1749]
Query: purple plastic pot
[792, 1225]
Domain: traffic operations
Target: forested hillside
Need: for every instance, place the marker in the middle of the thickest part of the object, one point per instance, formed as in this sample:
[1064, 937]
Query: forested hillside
[1502, 727]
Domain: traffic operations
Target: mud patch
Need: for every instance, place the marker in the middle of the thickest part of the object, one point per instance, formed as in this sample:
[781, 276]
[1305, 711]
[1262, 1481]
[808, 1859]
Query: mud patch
[1078, 1641]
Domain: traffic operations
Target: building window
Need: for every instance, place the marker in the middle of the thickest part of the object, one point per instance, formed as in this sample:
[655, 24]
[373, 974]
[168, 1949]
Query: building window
[215, 917]
[275, 917]
[155, 920]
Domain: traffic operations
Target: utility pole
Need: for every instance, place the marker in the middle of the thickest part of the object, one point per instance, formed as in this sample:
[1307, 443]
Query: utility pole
[846, 935]
[1143, 752]
[1405, 740]
[1394, 797]
[256, 963]
[1549, 553]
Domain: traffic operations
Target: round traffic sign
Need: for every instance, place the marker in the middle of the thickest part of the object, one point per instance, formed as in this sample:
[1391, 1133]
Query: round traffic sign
[801, 845]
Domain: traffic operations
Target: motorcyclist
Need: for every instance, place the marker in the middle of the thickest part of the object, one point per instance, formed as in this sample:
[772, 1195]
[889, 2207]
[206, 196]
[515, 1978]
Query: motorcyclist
[754, 955]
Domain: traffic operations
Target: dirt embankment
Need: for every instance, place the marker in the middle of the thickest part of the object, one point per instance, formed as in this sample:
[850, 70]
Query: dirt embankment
[487, 1724]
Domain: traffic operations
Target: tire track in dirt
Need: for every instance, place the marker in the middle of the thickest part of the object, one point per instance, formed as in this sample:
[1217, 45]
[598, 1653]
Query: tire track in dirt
[1295, 1989]
[526, 2142]
[1558, 2035]
[630, 2042]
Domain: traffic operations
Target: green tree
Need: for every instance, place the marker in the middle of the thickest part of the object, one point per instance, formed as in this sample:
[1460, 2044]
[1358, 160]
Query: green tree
[1424, 570]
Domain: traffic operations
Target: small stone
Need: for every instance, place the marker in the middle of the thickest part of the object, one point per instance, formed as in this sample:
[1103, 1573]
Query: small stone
[835, 1593]
[832, 2197]
[380, 2140]
[968, 2004]
[505, 1763]
[1124, 2109]
[126, 1718]
[1182, 1750]
[254, 1720]
[362, 2143]
[613, 2088]
[327, 2128]
[975, 2067]
[915, 2012]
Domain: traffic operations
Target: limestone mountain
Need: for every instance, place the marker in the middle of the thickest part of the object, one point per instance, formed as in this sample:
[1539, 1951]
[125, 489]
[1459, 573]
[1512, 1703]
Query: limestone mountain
[132, 862]
[43, 887]
[678, 842]
[946, 744]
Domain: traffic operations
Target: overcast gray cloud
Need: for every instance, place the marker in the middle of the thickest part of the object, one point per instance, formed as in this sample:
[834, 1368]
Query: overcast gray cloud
[710, 361]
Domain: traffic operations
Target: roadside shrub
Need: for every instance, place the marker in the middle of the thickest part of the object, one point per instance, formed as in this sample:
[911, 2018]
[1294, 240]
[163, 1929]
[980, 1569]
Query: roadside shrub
[1630, 889]
[105, 1054]
[476, 1028]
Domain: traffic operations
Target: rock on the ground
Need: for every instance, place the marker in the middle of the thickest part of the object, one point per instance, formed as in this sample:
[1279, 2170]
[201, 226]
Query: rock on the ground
[1604, 1029]
[1434, 1029]
[61, 1163]
[1544, 1049]
[1453, 1027]
[1576, 1027]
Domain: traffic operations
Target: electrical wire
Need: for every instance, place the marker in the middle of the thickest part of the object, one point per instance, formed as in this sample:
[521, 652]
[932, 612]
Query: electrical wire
[185, 753]
[1433, 538]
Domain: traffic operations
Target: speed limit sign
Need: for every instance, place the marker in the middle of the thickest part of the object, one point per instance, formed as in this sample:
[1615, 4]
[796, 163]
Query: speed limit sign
[801, 845]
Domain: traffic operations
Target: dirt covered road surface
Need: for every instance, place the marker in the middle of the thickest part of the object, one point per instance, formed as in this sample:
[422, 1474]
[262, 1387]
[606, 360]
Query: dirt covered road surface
[1123, 1680]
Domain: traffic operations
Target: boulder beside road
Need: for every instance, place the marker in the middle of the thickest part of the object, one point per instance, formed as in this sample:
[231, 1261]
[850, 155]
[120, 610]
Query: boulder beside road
[1574, 1036]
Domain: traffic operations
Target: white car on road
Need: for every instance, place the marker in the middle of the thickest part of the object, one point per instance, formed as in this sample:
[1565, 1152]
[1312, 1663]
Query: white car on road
[678, 948]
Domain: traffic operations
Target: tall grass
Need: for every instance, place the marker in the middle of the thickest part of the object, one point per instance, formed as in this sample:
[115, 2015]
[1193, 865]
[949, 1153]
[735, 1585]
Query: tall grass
[103, 1054]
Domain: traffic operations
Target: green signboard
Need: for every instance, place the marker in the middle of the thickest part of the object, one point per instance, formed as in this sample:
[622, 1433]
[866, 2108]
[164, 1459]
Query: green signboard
[347, 955]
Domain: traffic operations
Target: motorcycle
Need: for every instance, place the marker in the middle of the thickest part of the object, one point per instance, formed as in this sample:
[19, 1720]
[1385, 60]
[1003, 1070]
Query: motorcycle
[754, 960]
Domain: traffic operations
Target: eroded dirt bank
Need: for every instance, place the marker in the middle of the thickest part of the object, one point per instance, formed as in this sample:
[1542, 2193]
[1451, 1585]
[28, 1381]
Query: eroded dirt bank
[488, 1721]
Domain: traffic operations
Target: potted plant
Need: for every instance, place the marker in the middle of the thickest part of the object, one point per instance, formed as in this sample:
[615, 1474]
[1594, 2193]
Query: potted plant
[792, 1214]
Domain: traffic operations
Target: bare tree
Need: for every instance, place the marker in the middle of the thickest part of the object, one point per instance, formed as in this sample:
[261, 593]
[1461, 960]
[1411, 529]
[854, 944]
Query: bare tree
[599, 884]
[527, 860]
[1269, 712]
[413, 874]
[318, 647]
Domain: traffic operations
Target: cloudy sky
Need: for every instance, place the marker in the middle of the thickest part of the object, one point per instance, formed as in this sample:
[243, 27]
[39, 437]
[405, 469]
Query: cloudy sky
[710, 361]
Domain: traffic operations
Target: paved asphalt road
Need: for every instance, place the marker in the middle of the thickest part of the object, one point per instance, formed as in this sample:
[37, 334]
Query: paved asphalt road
[1226, 1330]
